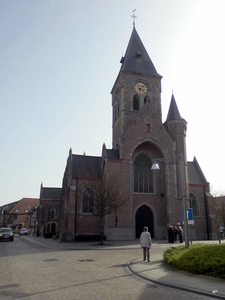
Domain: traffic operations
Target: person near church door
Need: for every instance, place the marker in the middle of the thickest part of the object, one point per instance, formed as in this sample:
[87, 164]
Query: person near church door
[145, 242]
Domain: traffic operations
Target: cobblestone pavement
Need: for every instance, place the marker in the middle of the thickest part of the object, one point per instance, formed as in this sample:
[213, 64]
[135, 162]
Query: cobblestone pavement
[76, 274]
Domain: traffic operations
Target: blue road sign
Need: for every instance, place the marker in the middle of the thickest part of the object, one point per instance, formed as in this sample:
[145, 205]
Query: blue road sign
[190, 219]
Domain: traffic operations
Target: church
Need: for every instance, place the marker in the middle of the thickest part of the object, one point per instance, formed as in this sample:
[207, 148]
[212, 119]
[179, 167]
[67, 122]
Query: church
[139, 140]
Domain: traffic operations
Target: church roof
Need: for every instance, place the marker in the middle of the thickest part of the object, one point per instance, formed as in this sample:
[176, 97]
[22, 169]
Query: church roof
[51, 193]
[112, 153]
[173, 113]
[136, 59]
[86, 166]
[195, 174]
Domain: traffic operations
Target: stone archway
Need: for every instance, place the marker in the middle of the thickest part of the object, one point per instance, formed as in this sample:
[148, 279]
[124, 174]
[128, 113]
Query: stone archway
[144, 217]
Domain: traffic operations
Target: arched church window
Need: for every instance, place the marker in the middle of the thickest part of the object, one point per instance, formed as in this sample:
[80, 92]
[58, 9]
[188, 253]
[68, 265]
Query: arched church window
[143, 179]
[148, 128]
[88, 201]
[51, 213]
[193, 204]
[136, 102]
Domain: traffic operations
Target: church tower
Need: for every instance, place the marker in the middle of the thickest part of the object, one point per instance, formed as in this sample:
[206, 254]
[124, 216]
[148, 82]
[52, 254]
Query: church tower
[177, 127]
[137, 83]
[139, 139]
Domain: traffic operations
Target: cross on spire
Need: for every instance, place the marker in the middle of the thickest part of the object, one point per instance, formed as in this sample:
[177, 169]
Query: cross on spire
[134, 17]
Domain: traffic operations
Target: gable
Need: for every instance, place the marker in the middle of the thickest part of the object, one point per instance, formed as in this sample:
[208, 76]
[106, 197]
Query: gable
[195, 174]
[137, 128]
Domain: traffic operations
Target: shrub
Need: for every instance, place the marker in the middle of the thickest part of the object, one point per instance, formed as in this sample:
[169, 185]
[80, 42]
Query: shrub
[198, 259]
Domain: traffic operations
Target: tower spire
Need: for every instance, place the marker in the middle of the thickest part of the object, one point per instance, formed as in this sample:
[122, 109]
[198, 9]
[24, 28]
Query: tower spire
[134, 17]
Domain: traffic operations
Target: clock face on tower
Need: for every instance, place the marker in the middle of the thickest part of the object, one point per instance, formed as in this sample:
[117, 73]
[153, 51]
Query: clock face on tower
[141, 88]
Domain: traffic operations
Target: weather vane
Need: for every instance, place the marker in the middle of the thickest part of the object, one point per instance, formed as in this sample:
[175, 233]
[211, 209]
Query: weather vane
[134, 17]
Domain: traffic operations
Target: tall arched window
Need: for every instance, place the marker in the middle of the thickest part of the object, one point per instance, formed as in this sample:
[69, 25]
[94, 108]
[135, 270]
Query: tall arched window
[143, 180]
[51, 213]
[146, 99]
[88, 201]
[193, 204]
[136, 102]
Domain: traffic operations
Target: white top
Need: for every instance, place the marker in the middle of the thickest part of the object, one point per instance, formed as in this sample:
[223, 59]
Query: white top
[145, 239]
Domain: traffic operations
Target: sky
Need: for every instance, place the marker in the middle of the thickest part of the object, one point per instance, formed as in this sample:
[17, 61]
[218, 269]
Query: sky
[59, 60]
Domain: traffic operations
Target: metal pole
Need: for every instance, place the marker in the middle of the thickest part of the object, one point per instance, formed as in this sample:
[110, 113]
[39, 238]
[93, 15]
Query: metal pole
[75, 215]
[184, 201]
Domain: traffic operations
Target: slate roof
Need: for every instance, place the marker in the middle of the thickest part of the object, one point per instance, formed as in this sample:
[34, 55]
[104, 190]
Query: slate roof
[173, 113]
[86, 166]
[195, 174]
[130, 63]
[51, 193]
[112, 153]
[9, 206]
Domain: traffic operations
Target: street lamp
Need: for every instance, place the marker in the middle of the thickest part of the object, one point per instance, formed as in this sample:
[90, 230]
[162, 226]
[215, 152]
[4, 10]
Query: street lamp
[172, 160]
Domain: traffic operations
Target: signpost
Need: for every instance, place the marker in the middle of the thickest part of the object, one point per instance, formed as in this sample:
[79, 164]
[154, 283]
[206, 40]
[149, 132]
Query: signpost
[190, 219]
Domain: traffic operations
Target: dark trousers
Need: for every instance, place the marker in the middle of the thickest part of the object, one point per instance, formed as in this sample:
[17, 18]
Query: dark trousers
[146, 251]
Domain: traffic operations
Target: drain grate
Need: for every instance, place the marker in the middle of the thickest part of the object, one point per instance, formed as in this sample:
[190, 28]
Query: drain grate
[85, 260]
[51, 259]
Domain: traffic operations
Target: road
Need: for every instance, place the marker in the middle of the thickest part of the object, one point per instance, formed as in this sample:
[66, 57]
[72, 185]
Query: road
[37, 268]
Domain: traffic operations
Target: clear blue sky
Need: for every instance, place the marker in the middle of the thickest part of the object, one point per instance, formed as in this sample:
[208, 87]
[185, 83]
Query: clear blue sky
[58, 63]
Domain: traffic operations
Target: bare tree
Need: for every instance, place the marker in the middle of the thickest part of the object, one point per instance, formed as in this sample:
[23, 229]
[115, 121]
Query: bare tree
[108, 196]
[218, 209]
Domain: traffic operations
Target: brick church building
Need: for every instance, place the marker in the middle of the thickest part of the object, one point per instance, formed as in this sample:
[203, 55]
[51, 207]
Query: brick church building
[139, 139]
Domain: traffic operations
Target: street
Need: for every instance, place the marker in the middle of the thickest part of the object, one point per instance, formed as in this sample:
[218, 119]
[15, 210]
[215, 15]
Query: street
[37, 268]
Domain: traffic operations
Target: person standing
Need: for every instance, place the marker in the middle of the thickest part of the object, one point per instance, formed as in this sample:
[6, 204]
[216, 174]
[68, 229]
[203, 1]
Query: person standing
[180, 233]
[145, 242]
[175, 231]
[170, 234]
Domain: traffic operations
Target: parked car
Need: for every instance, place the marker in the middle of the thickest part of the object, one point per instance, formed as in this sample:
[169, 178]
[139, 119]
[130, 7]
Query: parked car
[23, 231]
[6, 234]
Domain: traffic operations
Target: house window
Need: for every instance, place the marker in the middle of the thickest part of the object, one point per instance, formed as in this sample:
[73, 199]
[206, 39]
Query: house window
[51, 213]
[88, 201]
[143, 180]
[136, 102]
[147, 127]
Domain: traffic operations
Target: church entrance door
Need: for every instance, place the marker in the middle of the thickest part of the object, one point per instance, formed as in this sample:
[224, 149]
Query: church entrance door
[144, 217]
